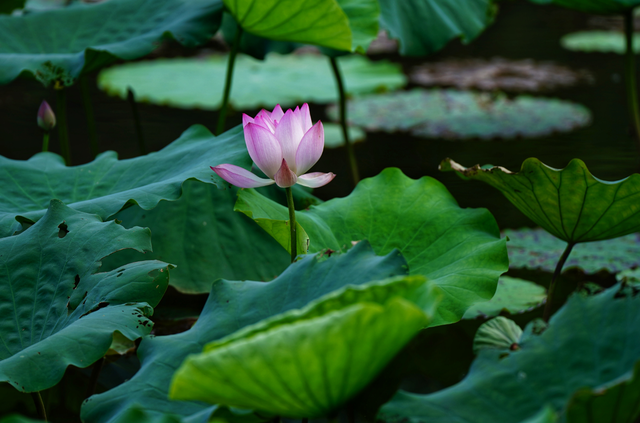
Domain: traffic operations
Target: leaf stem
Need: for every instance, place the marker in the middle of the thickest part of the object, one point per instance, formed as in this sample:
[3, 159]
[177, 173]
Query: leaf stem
[355, 175]
[45, 141]
[131, 97]
[228, 80]
[88, 111]
[630, 71]
[552, 285]
[63, 135]
[292, 224]
[37, 400]
[93, 379]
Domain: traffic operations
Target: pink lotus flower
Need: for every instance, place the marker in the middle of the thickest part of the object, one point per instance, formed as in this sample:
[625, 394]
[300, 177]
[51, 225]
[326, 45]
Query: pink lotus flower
[284, 146]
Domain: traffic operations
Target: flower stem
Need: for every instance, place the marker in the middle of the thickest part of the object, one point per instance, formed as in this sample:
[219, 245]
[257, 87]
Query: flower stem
[343, 121]
[45, 141]
[37, 400]
[228, 80]
[630, 71]
[292, 224]
[88, 110]
[552, 285]
[63, 135]
[136, 119]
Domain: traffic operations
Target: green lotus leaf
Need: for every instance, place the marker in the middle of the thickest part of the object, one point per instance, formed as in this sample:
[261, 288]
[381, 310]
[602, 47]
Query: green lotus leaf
[459, 115]
[285, 80]
[513, 296]
[591, 343]
[230, 307]
[447, 19]
[57, 311]
[458, 249]
[594, 6]
[320, 22]
[569, 203]
[538, 249]
[308, 362]
[616, 402]
[362, 15]
[201, 234]
[42, 45]
[599, 42]
[107, 185]
[629, 276]
[546, 415]
[499, 333]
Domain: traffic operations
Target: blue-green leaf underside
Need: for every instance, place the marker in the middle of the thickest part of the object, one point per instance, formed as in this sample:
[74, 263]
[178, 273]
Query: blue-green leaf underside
[57, 311]
[63, 43]
[106, 185]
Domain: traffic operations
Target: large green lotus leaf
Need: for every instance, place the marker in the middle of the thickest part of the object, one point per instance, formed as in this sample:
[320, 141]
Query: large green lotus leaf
[592, 343]
[308, 362]
[362, 17]
[458, 249]
[43, 44]
[106, 185]
[459, 115]
[202, 235]
[537, 249]
[513, 295]
[594, 6]
[320, 22]
[334, 138]
[56, 311]
[16, 418]
[599, 42]
[617, 402]
[425, 26]
[570, 203]
[232, 306]
[285, 80]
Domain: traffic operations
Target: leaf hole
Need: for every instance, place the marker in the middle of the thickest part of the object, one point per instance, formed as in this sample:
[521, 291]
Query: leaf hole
[63, 230]
[76, 282]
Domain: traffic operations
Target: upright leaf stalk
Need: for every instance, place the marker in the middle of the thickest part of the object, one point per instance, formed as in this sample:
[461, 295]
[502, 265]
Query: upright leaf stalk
[353, 164]
[630, 72]
[292, 224]
[91, 121]
[552, 286]
[136, 120]
[228, 81]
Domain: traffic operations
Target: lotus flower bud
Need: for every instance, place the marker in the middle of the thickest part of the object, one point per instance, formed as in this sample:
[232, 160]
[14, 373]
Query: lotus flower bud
[46, 117]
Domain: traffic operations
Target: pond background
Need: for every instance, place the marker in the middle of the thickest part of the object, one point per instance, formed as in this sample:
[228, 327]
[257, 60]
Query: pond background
[521, 31]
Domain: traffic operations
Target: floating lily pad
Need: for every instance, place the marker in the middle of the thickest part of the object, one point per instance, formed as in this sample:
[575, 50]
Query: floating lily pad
[41, 43]
[57, 311]
[457, 115]
[458, 249]
[329, 351]
[424, 27]
[594, 6]
[333, 137]
[106, 185]
[591, 344]
[285, 80]
[538, 249]
[232, 306]
[599, 42]
[498, 74]
[512, 296]
[630, 276]
[569, 203]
